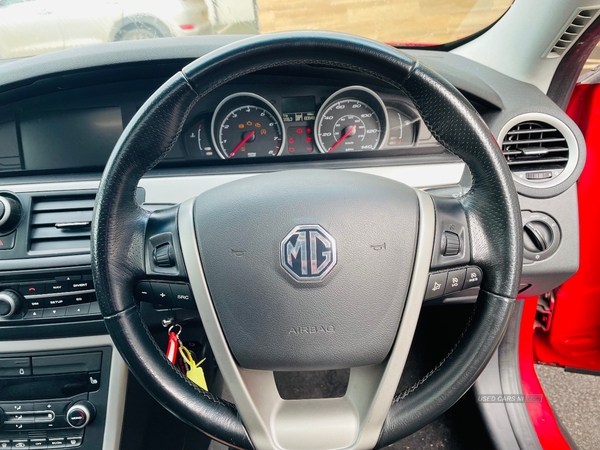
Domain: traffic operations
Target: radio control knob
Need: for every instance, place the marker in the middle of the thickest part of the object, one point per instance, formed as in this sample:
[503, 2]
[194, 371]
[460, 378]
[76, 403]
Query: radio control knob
[10, 303]
[81, 413]
[10, 213]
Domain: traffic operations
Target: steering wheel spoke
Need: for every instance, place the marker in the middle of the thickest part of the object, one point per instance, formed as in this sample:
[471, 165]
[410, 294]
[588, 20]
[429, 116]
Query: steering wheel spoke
[352, 421]
[165, 283]
[452, 270]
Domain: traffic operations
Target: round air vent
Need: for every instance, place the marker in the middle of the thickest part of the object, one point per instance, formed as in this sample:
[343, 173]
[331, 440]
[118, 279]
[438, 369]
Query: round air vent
[540, 150]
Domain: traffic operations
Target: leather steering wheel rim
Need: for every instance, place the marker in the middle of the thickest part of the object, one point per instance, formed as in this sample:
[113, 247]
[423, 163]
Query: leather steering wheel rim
[491, 208]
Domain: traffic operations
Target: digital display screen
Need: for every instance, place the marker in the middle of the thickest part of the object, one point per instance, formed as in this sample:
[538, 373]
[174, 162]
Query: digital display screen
[298, 109]
[70, 139]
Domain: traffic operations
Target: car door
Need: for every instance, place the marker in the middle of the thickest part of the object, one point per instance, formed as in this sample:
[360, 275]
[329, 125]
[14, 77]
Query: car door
[27, 28]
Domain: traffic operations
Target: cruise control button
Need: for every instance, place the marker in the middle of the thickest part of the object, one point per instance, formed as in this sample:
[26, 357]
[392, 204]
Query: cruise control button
[473, 278]
[162, 293]
[143, 292]
[436, 285]
[55, 312]
[456, 279]
[183, 296]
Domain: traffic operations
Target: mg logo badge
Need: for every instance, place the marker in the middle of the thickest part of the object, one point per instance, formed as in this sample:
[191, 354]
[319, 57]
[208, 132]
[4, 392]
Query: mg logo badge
[308, 253]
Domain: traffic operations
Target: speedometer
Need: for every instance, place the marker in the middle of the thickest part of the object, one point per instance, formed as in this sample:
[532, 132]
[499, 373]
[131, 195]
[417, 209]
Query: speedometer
[351, 120]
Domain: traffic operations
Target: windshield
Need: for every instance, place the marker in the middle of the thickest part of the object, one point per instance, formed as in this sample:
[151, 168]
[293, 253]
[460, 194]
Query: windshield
[31, 27]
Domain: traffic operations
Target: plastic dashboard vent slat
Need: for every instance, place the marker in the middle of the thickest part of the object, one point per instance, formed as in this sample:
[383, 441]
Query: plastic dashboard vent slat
[535, 146]
[61, 224]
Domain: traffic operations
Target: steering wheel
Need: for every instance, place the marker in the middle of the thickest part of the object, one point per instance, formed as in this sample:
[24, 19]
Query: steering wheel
[308, 269]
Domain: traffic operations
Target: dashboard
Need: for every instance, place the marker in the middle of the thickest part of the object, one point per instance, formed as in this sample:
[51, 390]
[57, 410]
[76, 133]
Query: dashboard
[61, 115]
[258, 117]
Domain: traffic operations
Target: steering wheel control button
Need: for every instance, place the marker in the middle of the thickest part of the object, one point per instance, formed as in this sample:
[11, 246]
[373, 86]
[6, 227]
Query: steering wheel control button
[473, 278]
[143, 292]
[450, 244]
[14, 367]
[183, 296]
[164, 255]
[162, 294]
[436, 285]
[456, 279]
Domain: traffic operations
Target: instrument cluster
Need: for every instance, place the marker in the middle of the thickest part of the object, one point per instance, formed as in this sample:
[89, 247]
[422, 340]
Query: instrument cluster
[352, 119]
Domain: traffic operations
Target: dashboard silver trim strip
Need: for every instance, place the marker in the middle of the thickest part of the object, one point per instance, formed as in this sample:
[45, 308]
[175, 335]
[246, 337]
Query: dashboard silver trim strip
[179, 189]
[59, 294]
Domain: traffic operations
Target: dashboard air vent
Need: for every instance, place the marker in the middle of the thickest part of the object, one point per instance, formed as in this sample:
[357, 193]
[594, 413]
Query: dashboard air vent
[571, 32]
[61, 224]
[541, 150]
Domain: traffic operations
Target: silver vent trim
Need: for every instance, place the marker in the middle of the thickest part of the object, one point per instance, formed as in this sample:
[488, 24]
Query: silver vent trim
[575, 26]
[553, 126]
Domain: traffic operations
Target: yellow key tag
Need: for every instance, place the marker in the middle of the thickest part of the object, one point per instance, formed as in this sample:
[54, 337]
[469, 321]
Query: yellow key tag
[195, 373]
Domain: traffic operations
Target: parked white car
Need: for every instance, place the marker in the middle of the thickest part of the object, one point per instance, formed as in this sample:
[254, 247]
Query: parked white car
[31, 27]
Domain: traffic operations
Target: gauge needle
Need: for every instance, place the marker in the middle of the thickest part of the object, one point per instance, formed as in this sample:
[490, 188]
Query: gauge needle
[246, 139]
[350, 131]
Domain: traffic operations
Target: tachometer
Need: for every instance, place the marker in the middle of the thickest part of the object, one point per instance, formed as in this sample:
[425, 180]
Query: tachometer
[353, 119]
[247, 126]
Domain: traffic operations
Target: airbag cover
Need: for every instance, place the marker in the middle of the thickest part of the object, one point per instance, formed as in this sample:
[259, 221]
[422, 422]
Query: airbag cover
[275, 321]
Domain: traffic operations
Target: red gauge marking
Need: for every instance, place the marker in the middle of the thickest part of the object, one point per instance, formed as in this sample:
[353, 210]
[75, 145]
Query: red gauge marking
[350, 131]
[240, 145]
